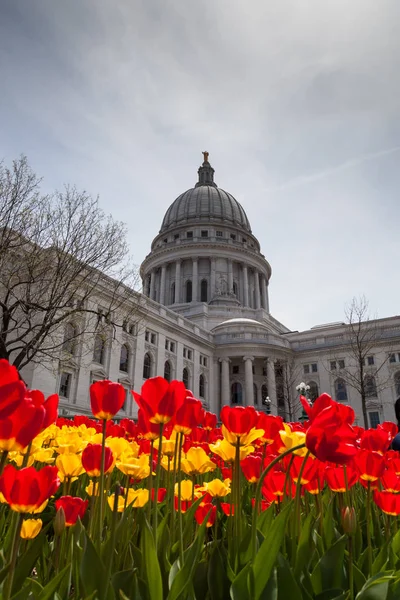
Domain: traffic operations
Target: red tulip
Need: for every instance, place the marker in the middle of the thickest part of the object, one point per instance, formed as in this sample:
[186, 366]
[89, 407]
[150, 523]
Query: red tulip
[313, 410]
[239, 420]
[388, 502]
[310, 469]
[185, 504]
[145, 429]
[188, 415]
[377, 440]
[251, 467]
[390, 481]
[335, 478]
[390, 427]
[159, 399]
[50, 406]
[12, 389]
[271, 425]
[392, 461]
[91, 460]
[28, 490]
[73, 508]
[227, 508]
[330, 436]
[206, 510]
[316, 485]
[210, 421]
[106, 399]
[22, 426]
[370, 465]
[161, 493]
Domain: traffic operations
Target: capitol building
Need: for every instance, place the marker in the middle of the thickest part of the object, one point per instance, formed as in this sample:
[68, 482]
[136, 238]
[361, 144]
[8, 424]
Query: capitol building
[203, 317]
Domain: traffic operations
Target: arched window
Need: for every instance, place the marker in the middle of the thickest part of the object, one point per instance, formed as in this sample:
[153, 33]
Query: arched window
[167, 370]
[188, 291]
[185, 377]
[124, 359]
[370, 387]
[99, 349]
[202, 386]
[204, 290]
[236, 393]
[313, 391]
[397, 383]
[235, 288]
[147, 366]
[255, 394]
[69, 343]
[340, 390]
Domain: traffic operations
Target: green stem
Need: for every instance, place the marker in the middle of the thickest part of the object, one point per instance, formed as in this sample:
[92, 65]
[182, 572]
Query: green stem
[16, 524]
[351, 570]
[298, 496]
[258, 496]
[101, 496]
[156, 486]
[236, 494]
[26, 456]
[369, 546]
[150, 479]
[180, 521]
[111, 547]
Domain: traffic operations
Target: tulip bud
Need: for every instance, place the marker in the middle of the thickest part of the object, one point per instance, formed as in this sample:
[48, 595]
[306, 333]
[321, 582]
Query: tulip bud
[349, 520]
[59, 521]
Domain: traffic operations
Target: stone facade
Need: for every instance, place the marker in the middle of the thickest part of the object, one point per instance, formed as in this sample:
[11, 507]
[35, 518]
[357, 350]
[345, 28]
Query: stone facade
[204, 317]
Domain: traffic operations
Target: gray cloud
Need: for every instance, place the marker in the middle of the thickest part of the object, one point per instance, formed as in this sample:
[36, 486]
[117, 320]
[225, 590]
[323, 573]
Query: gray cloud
[296, 102]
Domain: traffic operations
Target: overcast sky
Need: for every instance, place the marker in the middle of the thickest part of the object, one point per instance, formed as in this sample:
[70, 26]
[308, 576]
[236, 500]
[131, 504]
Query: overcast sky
[297, 101]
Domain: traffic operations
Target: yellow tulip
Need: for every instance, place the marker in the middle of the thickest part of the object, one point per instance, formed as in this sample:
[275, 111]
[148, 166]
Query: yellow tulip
[139, 497]
[30, 528]
[69, 465]
[217, 488]
[18, 459]
[197, 462]
[92, 489]
[138, 468]
[227, 452]
[290, 439]
[118, 446]
[70, 443]
[245, 439]
[44, 455]
[167, 463]
[186, 490]
[167, 446]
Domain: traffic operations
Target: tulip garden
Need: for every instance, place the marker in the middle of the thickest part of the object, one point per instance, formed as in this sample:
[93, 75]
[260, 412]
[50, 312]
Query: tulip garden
[184, 504]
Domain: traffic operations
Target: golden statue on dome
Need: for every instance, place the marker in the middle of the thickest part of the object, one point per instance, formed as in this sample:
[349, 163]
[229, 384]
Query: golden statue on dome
[205, 154]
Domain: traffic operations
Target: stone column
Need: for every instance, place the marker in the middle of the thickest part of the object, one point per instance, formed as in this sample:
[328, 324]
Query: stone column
[257, 289]
[215, 396]
[272, 386]
[195, 280]
[152, 283]
[212, 278]
[177, 282]
[225, 384]
[264, 292]
[245, 287]
[162, 284]
[230, 276]
[248, 380]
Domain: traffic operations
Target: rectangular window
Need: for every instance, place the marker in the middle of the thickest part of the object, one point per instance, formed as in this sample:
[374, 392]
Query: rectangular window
[219, 234]
[184, 353]
[244, 240]
[204, 361]
[306, 369]
[153, 338]
[314, 368]
[333, 365]
[189, 355]
[392, 358]
[65, 385]
[176, 236]
[233, 236]
[374, 419]
[253, 369]
[341, 364]
[189, 234]
[147, 336]
[265, 371]
[235, 369]
[131, 329]
[172, 346]
[165, 240]
[370, 360]
[166, 344]
[204, 233]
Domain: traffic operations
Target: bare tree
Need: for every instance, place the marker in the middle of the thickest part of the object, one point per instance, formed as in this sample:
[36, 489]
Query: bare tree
[59, 254]
[360, 370]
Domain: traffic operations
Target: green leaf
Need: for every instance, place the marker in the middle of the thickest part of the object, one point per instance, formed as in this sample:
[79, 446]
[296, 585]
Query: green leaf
[328, 525]
[265, 520]
[92, 571]
[305, 547]
[270, 592]
[380, 561]
[185, 575]
[332, 595]
[268, 551]
[396, 544]
[151, 565]
[287, 584]
[48, 591]
[329, 572]
[240, 585]
[28, 560]
[376, 588]
[200, 584]
[124, 581]
[218, 582]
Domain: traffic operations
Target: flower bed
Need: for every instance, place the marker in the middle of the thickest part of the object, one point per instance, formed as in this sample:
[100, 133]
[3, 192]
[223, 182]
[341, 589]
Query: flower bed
[174, 506]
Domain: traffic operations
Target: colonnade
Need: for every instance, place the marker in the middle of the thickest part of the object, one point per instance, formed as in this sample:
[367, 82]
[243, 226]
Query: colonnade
[250, 285]
[226, 381]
